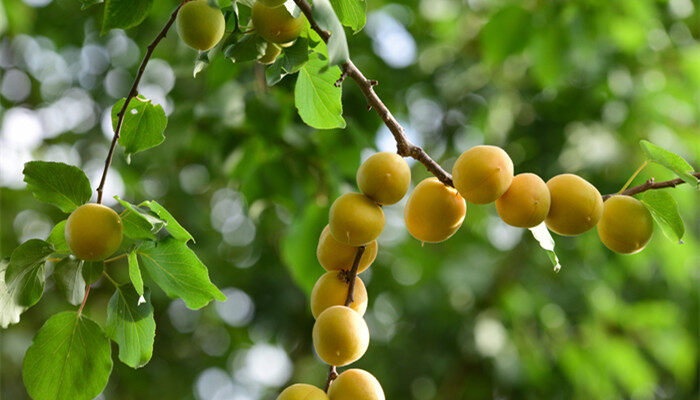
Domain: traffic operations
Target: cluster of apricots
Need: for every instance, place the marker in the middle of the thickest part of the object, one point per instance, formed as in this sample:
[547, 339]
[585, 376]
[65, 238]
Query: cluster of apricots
[202, 26]
[340, 334]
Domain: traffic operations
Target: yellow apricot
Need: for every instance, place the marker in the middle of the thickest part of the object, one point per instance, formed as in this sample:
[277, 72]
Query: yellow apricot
[526, 202]
[335, 256]
[434, 211]
[331, 289]
[340, 336]
[276, 24]
[355, 220]
[355, 384]
[482, 174]
[271, 52]
[576, 205]
[626, 225]
[384, 177]
[93, 232]
[200, 25]
[302, 391]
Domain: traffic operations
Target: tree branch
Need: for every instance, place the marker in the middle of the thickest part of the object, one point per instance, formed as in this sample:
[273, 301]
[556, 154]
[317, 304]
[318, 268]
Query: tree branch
[404, 147]
[650, 185]
[133, 93]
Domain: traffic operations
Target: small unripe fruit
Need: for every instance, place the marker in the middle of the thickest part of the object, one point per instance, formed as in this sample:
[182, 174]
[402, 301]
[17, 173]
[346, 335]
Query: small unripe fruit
[272, 3]
[93, 232]
[200, 25]
[576, 205]
[335, 256]
[526, 202]
[340, 336]
[355, 384]
[271, 52]
[482, 174]
[384, 178]
[276, 24]
[434, 211]
[626, 225]
[331, 289]
[355, 220]
[302, 391]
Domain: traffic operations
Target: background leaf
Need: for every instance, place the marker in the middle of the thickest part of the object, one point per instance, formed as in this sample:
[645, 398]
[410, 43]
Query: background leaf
[664, 209]
[316, 96]
[92, 271]
[143, 127]
[303, 235]
[70, 358]
[125, 14]
[131, 325]
[25, 275]
[671, 161]
[62, 185]
[505, 33]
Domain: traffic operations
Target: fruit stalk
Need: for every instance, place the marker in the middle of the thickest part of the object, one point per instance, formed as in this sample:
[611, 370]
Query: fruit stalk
[133, 92]
[650, 185]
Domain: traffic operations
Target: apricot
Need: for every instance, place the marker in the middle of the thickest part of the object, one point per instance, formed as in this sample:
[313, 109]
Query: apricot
[576, 205]
[335, 256]
[331, 289]
[272, 51]
[434, 211]
[200, 25]
[302, 391]
[93, 232]
[340, 336]
[626, 225]
[482, 174]
[526, 202]
[384, 177]
[276, 24]
[355, 384]
[355, 220]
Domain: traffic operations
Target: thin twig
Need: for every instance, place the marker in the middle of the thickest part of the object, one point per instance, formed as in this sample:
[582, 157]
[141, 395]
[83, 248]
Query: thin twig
[650, 184]
[404, 147]
[133, 93]
[332, 374]
[115, 258]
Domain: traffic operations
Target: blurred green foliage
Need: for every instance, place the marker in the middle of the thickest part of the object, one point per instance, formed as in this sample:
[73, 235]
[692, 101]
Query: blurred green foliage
[562, 86]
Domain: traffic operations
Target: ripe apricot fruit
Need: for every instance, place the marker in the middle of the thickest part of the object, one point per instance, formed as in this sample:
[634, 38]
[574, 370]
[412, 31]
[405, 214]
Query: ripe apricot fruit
[526, 202]
[626, 225]
[355, 219]
[576, 205]
[200, 25]
[335, 256]
[384, 178]
[355, 384]
[434, 211]
[276, 24]
[331, 289]
[340, 336]
[302, 391]
[482, 174]
[93, 232]
[272, 51]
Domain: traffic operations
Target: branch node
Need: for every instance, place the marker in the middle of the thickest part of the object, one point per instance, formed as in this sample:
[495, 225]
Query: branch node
[373, 83]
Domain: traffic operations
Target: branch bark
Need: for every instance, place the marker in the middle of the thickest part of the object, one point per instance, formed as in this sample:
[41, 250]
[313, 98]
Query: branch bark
[133, 93]
[650, 185]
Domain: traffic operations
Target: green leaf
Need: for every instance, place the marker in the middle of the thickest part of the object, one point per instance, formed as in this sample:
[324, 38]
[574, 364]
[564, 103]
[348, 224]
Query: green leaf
[506, 33]
[200, 63]
[671, 161]
[143, 126]
[324, 15]
[62, 185]
[135, 273]
[68, 275]
[92, 270]
[125, 14]
[664, 210]
[57, 238]
[544, 238]
[84, 4]
[274, 73]
[316, 96]
[295, 56]
[139, 224]
[70, 358]
[9, 309]
[303, 235]
[171, 224]
[25, 275]
[351, 13]
[247, 48]
[131, 325]
[178, 271]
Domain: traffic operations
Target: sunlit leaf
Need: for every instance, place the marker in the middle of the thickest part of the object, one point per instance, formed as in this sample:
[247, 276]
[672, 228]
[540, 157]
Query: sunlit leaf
[25, 275]
[351, 13]
[9, 309]
[68, 275]
[544, 238]
[62, 185]
[664, 210]
[131, 325]
[316, 97]
[125, 14]
[143, 126]
[324, 15]
[671, 161]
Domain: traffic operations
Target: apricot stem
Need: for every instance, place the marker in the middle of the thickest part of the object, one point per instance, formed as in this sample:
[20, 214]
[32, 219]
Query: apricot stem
[634, 175]
[109, 278]
[119, 257]
[82, 305]
[651, 185]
